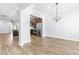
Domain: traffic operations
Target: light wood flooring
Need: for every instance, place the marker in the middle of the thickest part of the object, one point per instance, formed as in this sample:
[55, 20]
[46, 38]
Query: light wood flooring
[38, 46]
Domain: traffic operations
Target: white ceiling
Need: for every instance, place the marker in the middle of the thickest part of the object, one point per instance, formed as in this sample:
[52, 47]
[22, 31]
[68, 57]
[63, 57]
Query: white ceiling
[50, 8]
[7, 9]
[11, 9]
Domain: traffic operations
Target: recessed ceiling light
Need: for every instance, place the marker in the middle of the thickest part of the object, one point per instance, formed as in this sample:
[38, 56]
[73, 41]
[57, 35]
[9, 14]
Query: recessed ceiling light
[48, 7]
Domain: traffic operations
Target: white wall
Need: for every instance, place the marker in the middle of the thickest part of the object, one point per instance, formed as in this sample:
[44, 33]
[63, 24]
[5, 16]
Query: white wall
[25, 26]
[4, 27]
[66, 28]
[24, 29]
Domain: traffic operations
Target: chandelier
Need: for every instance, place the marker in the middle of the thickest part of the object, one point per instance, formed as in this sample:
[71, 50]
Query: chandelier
[57, 17]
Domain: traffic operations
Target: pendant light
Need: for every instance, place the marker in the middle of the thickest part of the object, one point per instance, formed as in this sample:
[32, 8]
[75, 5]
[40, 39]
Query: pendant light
[57, 17]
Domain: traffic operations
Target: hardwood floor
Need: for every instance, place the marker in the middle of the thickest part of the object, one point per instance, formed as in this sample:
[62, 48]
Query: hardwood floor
[38, 46]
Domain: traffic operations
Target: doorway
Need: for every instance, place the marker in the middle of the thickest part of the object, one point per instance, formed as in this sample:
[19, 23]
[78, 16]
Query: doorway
[35, 26]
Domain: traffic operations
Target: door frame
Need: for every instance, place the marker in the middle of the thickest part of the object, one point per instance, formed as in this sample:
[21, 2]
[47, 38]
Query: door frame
[40, 15]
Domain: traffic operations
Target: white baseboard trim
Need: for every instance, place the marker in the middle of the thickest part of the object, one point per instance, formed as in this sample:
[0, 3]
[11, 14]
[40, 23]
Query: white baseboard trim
[24, 42]
[64, 38]
[4, 33]
[44, 36]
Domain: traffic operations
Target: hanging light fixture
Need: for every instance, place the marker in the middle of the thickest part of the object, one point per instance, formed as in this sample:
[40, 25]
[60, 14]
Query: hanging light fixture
[57, 17]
